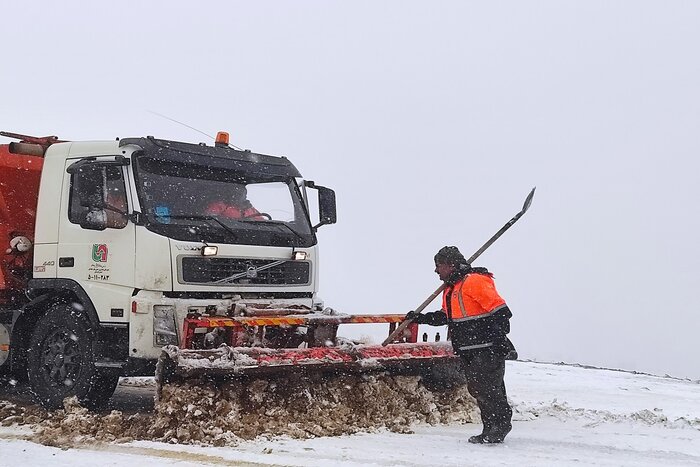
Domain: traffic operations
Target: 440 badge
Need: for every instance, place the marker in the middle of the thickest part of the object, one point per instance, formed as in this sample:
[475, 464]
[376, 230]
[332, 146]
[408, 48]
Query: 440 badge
[99, 252]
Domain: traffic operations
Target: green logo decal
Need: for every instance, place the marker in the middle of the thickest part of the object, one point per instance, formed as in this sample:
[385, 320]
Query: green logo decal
[99, 252]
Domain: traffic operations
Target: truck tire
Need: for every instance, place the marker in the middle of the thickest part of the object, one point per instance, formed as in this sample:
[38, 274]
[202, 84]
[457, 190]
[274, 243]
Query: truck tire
[61, 361]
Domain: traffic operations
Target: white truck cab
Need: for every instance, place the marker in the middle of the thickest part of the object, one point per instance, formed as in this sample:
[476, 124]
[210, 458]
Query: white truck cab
[134, 235]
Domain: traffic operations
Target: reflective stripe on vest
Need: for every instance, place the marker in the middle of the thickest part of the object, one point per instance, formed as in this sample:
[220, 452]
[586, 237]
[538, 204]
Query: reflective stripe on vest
[460, 299]
[483, 315]
[476, 346]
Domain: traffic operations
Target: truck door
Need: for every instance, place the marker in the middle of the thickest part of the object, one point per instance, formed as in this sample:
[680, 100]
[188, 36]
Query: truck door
[96, 239]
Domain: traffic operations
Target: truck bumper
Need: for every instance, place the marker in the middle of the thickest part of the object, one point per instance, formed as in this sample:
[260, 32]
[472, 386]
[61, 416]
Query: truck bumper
[145, 344]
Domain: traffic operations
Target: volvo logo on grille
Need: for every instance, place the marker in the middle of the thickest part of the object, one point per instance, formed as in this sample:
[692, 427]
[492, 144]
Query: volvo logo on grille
[251, 272]
[243, 271]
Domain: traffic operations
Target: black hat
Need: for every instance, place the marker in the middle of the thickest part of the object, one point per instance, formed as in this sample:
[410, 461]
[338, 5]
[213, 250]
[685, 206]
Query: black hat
[450, 255]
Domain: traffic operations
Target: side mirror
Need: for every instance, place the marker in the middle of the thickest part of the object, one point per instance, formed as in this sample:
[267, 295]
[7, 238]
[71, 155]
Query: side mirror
[88, 174]
[95, 220]
[92, 200]
[326, 204]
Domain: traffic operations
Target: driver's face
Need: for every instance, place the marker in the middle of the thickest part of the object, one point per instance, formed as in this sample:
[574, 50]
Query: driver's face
[444, 270]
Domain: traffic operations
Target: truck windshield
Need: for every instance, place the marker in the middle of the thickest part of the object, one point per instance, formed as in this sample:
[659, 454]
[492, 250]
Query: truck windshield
[199, 203]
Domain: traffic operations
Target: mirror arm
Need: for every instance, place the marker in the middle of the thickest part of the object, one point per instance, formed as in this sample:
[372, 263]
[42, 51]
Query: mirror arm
[137, 218]
[315, 227]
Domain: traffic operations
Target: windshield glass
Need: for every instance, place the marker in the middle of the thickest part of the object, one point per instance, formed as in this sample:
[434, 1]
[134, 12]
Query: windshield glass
[199, 203]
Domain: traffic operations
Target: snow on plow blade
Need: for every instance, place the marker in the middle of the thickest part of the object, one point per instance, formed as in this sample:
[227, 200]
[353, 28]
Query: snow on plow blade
[324, 386]
[268, 342]
[225, 362]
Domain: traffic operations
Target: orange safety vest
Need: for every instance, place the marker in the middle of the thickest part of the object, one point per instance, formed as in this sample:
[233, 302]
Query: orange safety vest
[473, 297]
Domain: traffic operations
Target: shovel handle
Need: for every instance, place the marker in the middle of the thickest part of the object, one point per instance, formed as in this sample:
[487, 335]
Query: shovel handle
[404, 324]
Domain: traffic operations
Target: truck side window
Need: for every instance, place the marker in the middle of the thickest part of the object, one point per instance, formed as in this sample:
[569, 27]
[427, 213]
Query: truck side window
[98, 192]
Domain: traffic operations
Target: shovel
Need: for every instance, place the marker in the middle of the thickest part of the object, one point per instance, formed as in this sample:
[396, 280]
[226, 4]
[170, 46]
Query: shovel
[421, 307]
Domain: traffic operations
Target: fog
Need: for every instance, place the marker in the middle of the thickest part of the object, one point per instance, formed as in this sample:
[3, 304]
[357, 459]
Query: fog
[432, 121]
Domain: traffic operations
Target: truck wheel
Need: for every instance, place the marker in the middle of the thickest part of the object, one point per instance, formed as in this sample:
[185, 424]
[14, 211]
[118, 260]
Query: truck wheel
[61, 361]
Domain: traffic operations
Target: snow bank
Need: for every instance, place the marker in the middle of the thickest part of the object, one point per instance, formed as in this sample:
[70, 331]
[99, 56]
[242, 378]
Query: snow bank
[304, 407]
[220, 414]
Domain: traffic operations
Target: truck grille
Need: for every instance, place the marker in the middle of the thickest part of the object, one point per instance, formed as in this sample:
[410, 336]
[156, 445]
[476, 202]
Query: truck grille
[217, 271]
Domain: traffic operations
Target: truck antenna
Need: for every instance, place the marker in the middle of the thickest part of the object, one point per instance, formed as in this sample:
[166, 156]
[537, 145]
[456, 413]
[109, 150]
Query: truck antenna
[190, 127]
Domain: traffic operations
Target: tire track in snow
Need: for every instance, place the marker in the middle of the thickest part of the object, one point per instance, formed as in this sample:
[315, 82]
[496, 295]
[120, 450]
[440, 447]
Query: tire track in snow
[170, 454]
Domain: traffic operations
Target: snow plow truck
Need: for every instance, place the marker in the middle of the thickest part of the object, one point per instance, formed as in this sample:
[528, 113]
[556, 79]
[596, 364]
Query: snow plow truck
[117, 257]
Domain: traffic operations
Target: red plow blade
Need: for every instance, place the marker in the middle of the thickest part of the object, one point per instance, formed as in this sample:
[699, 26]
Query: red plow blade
[228, 362]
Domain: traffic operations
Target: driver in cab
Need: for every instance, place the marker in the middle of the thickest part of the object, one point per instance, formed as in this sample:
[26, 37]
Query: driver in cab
[236, 206]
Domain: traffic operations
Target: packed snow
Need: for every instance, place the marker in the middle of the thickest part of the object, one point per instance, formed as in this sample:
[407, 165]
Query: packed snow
[563, 415]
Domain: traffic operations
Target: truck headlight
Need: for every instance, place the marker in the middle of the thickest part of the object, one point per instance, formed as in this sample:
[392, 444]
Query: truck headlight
[164, 327]
[209, 250]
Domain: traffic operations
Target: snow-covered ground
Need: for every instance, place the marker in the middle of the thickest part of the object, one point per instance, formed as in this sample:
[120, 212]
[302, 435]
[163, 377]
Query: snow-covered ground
[564, 415]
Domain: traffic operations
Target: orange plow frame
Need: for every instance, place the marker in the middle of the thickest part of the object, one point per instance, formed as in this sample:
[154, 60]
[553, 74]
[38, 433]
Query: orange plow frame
[229, 361]
[193, 323]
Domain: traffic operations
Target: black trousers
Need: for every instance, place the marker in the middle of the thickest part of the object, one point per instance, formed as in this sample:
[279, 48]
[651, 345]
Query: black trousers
[485, 370]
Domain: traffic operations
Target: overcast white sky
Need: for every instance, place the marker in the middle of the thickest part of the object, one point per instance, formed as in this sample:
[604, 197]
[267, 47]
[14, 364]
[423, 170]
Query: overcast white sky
[432, 121]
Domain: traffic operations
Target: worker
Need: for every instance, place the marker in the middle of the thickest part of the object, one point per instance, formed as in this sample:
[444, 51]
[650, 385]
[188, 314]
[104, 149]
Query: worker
[237, 207]
[478, 321]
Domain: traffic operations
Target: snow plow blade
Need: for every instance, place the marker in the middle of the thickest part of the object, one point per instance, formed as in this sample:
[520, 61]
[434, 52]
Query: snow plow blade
[229, 362]
[288, 372]
[225, 363]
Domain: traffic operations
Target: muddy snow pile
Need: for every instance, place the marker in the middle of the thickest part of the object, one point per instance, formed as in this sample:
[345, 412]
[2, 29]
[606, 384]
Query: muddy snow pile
[205, 412]
[12, 414]
[76, 425]
[304, 407]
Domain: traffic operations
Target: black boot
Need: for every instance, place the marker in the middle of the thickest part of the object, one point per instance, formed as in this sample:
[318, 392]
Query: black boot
[479, 439]
[497, 434]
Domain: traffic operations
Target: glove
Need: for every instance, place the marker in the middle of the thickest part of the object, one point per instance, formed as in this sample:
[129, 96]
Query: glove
[412, 315]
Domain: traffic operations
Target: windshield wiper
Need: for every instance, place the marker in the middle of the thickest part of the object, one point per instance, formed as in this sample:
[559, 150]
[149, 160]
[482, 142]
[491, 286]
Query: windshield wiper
[266, 221]
[232, 231]
[203, 218]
